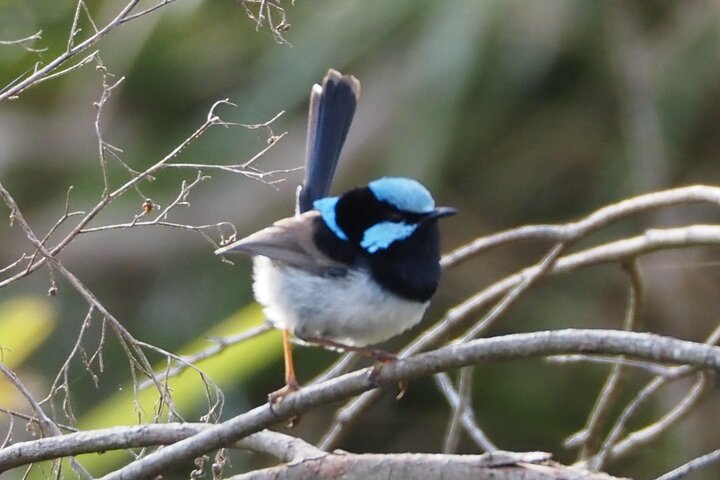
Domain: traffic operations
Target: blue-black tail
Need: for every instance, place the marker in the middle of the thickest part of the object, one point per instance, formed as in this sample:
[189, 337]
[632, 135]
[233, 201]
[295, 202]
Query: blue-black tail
[332, 106]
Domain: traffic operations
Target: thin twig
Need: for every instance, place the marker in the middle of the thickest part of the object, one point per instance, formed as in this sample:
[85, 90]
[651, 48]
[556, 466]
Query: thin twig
[30, 418]
[652, 368]
[127, 341]
[649, 433]
[212, 119]
[23, 41]
[219, 344]
[599, 415]
[38, 74]
[466, 415]
[590, 223]
[47, 426]
[642, 398]
[64, 385]
[528, 279]
[692, 466]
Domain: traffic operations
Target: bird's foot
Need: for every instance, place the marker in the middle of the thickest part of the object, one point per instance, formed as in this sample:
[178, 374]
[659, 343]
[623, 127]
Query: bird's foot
[278, 396]
[380, 356]
[383, 360]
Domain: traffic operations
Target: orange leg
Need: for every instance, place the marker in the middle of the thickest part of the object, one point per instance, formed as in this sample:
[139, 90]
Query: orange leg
[291, 384]
[289, 364]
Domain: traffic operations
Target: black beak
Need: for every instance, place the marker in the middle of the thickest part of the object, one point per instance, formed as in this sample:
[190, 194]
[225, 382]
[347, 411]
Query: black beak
[439, 212]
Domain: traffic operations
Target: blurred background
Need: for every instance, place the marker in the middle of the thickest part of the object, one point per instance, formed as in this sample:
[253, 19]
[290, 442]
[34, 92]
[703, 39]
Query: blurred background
[513, 112]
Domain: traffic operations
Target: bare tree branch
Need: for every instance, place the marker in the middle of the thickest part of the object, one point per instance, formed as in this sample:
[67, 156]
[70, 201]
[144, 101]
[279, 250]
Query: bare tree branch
[463, 413]
[80, 227]
[35, 36]
[608, 450]
[218, 345]
[47, 426]
[283, 447]
[489, 466]
[600, 218]
[14, 90]
[589, 437]
[618, 251]
[640, 345]
[692, 466]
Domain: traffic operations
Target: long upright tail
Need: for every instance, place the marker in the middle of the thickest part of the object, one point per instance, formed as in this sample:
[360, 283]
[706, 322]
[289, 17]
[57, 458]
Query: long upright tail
[332, 106]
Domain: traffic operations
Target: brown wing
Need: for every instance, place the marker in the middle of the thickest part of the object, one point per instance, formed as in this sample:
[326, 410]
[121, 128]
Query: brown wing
[289, 240]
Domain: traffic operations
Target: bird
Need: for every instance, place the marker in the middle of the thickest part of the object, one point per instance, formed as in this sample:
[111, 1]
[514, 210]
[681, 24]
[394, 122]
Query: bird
[345, 272]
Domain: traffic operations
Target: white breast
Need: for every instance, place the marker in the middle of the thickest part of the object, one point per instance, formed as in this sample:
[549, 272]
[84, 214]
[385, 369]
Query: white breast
[351, 309]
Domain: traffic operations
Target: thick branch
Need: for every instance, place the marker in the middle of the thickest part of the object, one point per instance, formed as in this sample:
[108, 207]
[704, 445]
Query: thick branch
[638, 345]
[278, 445]
[400, 466]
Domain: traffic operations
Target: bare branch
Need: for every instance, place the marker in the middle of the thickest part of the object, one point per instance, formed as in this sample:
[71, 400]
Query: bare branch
[613, 449]
[653, 368]
[528, 278]
[14, 264]
[265, 11]
[107, 90]
[600, 218]
[598, 418]
[212, 119]
[148, 10]
[18, 87]
[651, 241]
[640, 345]
[33, 419]
[464, 413]
[607, 452]
[48, 427]
[62, 381]
[129, 343]
[219, 344]
[692, 466]
[490, 466]
[22, 42]
[508, 465]
[283, 447]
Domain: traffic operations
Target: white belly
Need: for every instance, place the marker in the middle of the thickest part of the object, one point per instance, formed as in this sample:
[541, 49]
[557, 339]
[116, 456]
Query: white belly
[351, 309]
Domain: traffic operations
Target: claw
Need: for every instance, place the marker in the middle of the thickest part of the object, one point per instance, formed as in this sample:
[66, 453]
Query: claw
[402, 388]
[377, 368]
[279, 395]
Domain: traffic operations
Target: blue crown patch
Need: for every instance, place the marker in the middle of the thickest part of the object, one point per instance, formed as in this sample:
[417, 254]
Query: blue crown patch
[403, 193]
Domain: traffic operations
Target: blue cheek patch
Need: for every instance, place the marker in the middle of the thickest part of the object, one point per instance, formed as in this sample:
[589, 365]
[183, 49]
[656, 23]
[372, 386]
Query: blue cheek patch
[404, 194]
[326, 207]
[382, 235]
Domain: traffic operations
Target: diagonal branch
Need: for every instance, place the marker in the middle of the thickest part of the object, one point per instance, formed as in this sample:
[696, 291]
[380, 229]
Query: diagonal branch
[14, 90]
[639, 345]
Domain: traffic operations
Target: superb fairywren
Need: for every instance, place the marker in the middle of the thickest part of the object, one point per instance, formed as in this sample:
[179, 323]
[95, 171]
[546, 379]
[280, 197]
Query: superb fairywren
[347, 271]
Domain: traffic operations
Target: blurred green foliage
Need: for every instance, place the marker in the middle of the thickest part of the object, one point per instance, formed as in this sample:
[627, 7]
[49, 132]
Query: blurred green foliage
[514, 112]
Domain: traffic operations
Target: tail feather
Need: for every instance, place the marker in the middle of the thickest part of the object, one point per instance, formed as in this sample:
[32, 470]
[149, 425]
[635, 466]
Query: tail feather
[332, 106]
